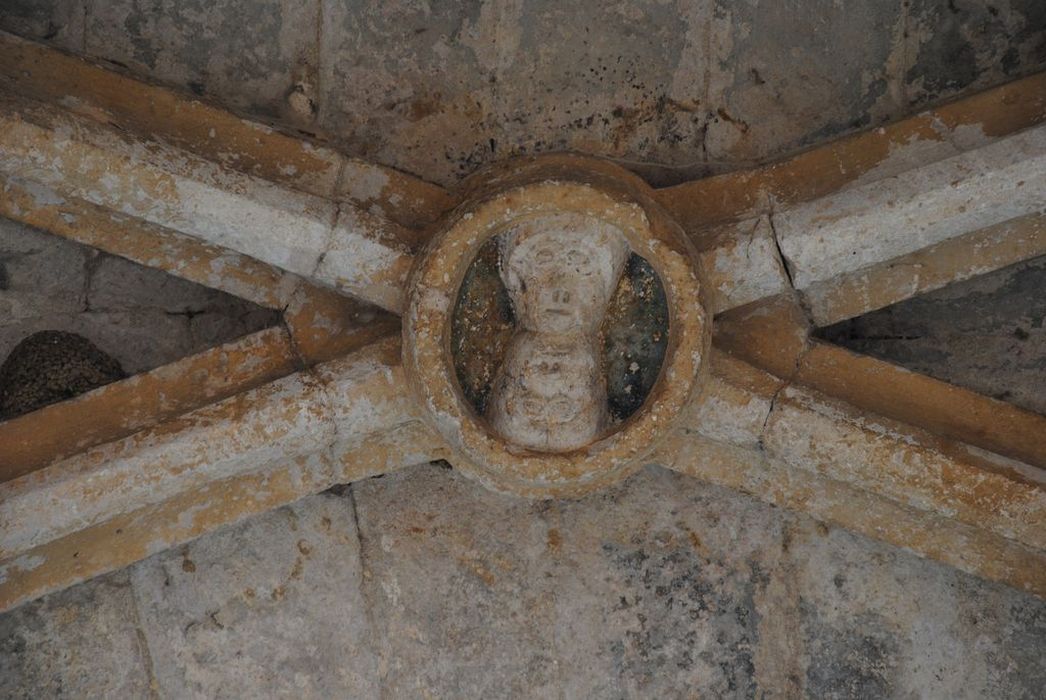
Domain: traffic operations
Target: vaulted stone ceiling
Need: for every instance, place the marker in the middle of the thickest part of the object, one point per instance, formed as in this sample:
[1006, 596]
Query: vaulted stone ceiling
[422, 581]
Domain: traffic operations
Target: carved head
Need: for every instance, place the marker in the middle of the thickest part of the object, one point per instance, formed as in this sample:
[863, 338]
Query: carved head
[550, 393]
[561, 273]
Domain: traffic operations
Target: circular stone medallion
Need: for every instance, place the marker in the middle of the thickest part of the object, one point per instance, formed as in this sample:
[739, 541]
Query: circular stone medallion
[560, 237]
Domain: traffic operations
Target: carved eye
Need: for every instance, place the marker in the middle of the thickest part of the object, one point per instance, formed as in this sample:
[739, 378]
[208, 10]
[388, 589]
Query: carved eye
[534, 407]
[544, 256]
[579, 260]
[561, 406]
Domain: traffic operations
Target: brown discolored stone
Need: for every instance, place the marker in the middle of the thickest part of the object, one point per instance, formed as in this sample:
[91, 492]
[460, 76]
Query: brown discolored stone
[948, 410]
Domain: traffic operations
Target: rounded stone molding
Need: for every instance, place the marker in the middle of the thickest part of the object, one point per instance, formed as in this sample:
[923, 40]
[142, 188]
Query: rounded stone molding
[563, 199]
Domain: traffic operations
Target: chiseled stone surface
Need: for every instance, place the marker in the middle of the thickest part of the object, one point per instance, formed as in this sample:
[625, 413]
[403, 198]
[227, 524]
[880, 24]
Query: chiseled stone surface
[877, 622]
[400, 86]
[625, 80]
[84, 642]
[666, 587]
[39, 274]
[964, 44]
[460, 587]
[784, 75]
[58, 22]
[268, 608]
[662, 584]
[117, 284]
[254, 54]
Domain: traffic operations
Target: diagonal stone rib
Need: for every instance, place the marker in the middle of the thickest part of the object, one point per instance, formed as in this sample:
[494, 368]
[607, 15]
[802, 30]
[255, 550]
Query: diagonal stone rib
[939, 407]
[34, 440]
[971, 549]
[181, 120]
[868, 224]
[773, 335]
[795, 447]
[144, 243]
[133, 536]
[116, 410]
[78, 158]
[292, 419]
[928, 137]
[853, 224]
[812, 432]
[873, 244]
[966, 256]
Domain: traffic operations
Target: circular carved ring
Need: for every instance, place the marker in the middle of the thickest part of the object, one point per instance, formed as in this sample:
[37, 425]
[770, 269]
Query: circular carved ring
[572, 204]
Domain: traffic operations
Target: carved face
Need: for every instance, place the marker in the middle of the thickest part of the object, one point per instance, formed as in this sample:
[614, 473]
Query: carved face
[561, 277]
[557, 369]
[560, 272]
[550, 393]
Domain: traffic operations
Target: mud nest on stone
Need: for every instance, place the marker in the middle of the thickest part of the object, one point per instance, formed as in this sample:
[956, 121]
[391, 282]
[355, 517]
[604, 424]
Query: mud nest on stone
[52, 366]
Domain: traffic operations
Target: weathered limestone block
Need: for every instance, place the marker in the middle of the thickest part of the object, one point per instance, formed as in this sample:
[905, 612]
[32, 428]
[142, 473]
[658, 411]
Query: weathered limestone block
[867, 224]
[270, 607]
[813, 433]
[83, 642]
[39, 275]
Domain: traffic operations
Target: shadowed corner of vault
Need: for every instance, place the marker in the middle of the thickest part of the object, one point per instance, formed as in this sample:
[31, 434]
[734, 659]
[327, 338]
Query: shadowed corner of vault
[74, 319]
[986, 334]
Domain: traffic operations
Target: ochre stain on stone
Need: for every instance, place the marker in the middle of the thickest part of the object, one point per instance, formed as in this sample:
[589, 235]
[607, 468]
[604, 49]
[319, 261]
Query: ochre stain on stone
[997, 112]
[188, 123]
[885, 389]
[117, 410]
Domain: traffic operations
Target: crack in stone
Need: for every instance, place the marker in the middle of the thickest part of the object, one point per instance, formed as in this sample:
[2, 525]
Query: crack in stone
[339, 182]
[787, 382]
[781, 258]
[379, 646]
[800, 298]
[143, 641]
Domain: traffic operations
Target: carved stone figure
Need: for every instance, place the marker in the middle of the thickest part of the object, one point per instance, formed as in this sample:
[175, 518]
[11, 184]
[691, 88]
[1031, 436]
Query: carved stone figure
[560, 272]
